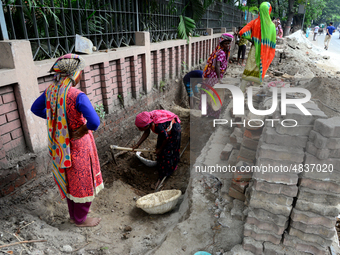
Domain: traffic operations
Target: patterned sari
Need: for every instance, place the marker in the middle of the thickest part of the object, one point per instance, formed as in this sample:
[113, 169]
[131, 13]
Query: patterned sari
[262, 33]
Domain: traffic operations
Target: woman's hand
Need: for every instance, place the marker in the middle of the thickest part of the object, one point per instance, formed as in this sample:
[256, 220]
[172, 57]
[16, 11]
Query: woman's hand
[135, 147]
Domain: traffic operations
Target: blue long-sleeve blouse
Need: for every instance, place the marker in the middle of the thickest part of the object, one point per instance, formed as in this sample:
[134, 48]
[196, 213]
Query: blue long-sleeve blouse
[83, 105]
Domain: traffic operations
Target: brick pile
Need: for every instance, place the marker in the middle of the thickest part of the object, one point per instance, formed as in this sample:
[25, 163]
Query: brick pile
[312, 226]
[245, 144]
[271, 194]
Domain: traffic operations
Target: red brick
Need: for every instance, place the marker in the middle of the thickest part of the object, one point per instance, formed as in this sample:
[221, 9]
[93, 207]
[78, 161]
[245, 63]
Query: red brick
[2, 153]
[6, 138]
[6, 98]
[7, 190]
[5, 108]
[9, 126]
[239, 185]
[3, 163]
[9, 178]
[236, 194]
[242, 176]
[31, 174]
[253, 134]
[6, 89]
[239, 158]
[26, 169]
[17, 133]
[20, 181]
[20, 142]
[3, 119]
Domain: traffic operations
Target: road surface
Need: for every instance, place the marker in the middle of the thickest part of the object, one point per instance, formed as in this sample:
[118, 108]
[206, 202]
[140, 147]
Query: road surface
[334, 44]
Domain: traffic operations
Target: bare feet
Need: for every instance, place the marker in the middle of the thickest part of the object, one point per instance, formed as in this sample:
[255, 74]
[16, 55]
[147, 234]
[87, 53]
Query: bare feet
[72, 221]
[90, 222]
[243, 65]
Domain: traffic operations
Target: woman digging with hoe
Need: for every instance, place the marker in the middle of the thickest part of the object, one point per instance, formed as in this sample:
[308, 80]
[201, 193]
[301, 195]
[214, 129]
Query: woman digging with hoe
[166, 125]
[70, 116]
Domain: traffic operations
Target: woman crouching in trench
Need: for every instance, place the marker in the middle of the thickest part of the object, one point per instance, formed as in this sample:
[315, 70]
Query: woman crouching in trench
[167, 126]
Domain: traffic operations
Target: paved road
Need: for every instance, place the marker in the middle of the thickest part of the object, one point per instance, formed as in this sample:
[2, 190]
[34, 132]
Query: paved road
[334, 44]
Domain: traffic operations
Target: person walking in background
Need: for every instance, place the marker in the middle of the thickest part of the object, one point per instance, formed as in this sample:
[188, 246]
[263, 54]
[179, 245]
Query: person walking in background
[329, 32]
[279, 30]
[261, 32]
[307, 31]
[190, 81]
[70, 115]
[215, 68]
[316, 31]
[242, 47]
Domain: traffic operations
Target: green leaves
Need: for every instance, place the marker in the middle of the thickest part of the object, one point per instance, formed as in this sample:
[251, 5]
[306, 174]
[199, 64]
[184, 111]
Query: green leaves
[185, 27]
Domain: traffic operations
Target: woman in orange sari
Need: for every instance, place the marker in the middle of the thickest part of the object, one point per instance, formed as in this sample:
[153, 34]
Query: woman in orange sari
[262, 33]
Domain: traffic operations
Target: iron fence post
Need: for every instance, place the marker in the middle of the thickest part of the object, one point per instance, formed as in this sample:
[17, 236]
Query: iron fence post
[3, 24]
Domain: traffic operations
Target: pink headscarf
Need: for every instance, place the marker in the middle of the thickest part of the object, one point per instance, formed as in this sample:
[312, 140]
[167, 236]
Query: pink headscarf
[157, 116]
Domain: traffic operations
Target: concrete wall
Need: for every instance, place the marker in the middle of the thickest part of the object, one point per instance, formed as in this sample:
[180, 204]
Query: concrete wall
[125, 80]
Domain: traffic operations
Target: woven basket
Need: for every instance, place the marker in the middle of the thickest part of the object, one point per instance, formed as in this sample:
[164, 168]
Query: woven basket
[145, 161]
[159, 202]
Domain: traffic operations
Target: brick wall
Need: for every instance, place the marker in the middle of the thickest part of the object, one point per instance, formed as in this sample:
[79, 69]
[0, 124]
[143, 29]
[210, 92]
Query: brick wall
[12, 138]
[122, 81]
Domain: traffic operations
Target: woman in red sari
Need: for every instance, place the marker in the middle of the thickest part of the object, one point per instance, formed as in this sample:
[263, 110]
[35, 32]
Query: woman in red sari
[70, 116]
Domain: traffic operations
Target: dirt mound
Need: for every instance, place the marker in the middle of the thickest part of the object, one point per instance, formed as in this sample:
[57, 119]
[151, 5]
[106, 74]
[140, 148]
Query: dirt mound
[326, 90]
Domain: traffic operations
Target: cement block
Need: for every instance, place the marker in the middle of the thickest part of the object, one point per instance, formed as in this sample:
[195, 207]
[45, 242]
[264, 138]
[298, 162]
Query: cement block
[326, 233]
[253, 134]
[318, 196]
[276, 188]
[308, 106]
[255, 121]
[319, 153]
[281, 178]
[322, 142]
[303, 246]
[226, 151]
[280, 153]
[273, 249]
[267, 226]
[271, 207]
[302, 119]
[309, 237]
[303, 130]
[270, 136]
[323, 164]
[261, 235]
[233, 157]
[310, 218]
[249, 244]
[273, 198]
[328, 127]
[324, 210]
[320, 185]
[263, 215]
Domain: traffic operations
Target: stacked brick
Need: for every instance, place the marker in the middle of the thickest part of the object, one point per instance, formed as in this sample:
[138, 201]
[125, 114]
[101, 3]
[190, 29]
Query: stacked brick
[313, 219]
[245, 144]
[271, 193]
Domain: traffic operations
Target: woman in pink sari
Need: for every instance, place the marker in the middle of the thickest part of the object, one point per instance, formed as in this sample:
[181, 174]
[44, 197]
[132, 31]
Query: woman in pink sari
[167, 126]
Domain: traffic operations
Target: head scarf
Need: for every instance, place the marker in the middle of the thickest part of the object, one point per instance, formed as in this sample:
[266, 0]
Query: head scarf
[210, 63]
[67, 69]
[262, 32]
[157, 116]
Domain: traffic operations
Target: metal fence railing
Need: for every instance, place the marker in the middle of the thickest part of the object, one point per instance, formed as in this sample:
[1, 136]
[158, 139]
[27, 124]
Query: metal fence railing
[51, 25]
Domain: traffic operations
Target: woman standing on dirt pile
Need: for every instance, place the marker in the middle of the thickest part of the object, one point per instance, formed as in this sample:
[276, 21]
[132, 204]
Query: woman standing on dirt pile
[166, 125]
[262, 33]
[70, 116]
[215, 68]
